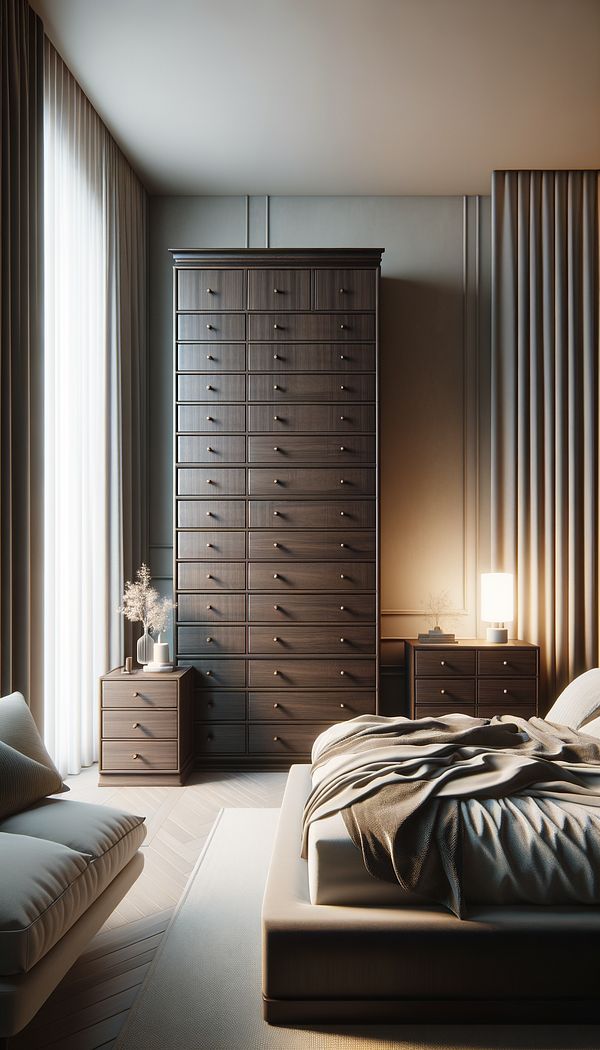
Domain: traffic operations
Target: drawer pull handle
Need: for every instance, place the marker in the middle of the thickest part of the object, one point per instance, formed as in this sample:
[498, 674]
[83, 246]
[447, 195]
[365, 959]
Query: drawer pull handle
[342, 544]
[343, 326]
[209, 514]
[275, 386]
[275, 481]
[208, 674]
[342, 418]
[342, 672]
[209, 736]
[134, 725]
[275, 672]
[209, 419]
[275, 738]
[275, 575]
[209, 639]
[505, 663]
[342, 387]
[342, 357]
[341, 514]
[342, 705]
[135, 755]
[442, 663]
[442, 691]
[275, 704]
[276, 418]
[341, 481]
[209, 481]
[276, 326]
[342, 640]
[209, 606]
[276, 607]
[209, 291]
[342, 577]
[209, 449]
[275, 639]
[136, 694]
[275, 513]
[505, 691]
[276, 291]
[342, 608]
[276, 357]
[210, 704]
[208, 386]
[275, 544]
[208, 576]
[209, 357]
[275, 448]
[342, 448]
[342, 291]
[210, 327]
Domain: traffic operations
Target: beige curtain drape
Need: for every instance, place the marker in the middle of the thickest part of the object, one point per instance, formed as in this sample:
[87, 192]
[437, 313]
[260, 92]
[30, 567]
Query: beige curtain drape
[545, 419]
[21, 373]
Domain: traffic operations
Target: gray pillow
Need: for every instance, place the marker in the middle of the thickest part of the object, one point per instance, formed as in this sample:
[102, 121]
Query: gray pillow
[27, 773]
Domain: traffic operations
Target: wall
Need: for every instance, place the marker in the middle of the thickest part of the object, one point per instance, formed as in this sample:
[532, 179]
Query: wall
[434, 369]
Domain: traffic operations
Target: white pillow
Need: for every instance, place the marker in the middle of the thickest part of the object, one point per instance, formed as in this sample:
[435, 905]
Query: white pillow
[578, 702]
[592, 728]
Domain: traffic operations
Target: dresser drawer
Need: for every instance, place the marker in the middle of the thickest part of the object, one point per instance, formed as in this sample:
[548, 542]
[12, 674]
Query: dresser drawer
[136, 725]
[219, 706]
[219, 739]
[283, 739]
[212, 327]
[211, 419]
[307, 387]
[211, 450]
[320, 419]
[318, 449]
[289, 514]
[331, 546]
[139, 694]
[279, 290]
[218, 674]
[441, 691]
[307, 357]
[503, 691]
[311, 608]
[226, 357]
[521, 710]
[280, 674]
[347, 481]
[215, 641]
[211, 575]
[209, 388]
[507, 661]
[211, 608]
[443, 662]
[211, 289]
[278, 327]
[296, 640]
[224, 481]
[211, 544]
[345, 289]
[295, 705]
[224, 514]
[139, 756]
[311, 576]
[437, 710]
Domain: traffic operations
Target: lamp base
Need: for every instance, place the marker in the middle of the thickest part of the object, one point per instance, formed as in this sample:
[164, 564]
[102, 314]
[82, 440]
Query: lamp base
[496, 635]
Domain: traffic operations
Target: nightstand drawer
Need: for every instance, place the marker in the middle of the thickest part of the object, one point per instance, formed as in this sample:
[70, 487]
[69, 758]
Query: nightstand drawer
[211, 544]
[313, 514]
[138, 693]
[139, 757]
[507, 691]
[442, 691]
[212, 575]
[214, 641]
[219, 739]
[211, 608]
[303, 357]
[211, 289]
[297, 706]
[211, 481]
[522, 710]
[218, 674]
[283, 739]
[279, 289]
[311, 576]
[218, 706]
[211, 388]
[225, 357]
[212, 327]
[324, 674]
[507, 661]
[445, 662]
[134, 725]
[211, 450]
[318, 450]
[222, 514]
[311, 419]
[437, 710]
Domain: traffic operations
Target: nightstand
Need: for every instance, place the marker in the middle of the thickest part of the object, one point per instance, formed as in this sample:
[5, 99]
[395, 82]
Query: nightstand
[472, 677]
[146, 732]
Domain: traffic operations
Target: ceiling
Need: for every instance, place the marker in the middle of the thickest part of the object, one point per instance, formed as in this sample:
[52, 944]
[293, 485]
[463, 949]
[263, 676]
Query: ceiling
[337, 96]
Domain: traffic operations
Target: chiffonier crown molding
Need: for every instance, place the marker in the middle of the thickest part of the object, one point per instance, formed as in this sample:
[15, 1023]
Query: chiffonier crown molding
[276, 551]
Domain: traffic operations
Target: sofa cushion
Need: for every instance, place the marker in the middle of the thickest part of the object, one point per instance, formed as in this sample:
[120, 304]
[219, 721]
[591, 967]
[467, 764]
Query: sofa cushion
[27, 773]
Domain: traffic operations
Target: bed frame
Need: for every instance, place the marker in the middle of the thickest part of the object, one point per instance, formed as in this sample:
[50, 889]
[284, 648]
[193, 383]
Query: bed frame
[340, 965]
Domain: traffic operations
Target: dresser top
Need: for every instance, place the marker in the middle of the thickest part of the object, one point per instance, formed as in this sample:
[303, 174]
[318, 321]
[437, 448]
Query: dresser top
[280, 257]
[118, 675]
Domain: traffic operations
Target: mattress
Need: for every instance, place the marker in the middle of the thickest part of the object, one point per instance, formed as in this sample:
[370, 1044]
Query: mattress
[336, 873]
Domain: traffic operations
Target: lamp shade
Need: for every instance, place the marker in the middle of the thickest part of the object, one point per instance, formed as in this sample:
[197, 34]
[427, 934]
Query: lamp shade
[497, 605]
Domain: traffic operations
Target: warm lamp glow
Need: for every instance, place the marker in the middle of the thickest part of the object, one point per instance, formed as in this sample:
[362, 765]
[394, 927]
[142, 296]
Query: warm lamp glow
[497, 604]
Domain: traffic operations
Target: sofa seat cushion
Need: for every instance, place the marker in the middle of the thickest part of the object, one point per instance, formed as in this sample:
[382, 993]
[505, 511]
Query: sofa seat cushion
[37, 908]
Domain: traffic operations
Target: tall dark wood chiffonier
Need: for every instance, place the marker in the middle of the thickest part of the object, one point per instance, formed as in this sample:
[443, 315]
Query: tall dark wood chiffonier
[276, 486]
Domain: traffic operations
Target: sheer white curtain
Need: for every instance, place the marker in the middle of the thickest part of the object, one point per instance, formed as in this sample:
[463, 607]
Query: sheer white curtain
[94, 219]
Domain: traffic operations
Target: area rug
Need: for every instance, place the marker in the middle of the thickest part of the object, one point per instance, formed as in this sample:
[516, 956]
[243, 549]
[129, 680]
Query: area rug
[203, 990]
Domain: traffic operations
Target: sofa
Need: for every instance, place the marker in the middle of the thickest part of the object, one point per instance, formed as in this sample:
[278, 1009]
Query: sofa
[64, 866]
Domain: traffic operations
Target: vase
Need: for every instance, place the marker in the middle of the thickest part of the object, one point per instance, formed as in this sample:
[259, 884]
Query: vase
[145, 647]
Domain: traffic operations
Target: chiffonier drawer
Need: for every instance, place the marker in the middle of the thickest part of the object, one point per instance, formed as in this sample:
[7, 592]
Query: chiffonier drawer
[219, 739]
[213, 449]
[218, 674]
[278, 327]
[143, 695]
[279, 289]
[345, 289]
[284, 739]
[320, 419]
[223, 514]
[443, 662]
[209, 388]
[223, 481]
[503, 691]
[211, 327]
[294, 641]
[225, 357]
[211, 544]
[211, 290]
[304, 357]
[215, 641]
[318, 674]
[311, 576]
[313, 545]
[135, 725]
[211, 575]
[311, 608]
[318, 449]
[291, 514]
[441, 691]
[217, 706]
[507, 662]
[295, 705]
[211, 608]
[436, 710]
[309, 387]
[211, 419]
[520, 710]
[347, 481]
[139, 756]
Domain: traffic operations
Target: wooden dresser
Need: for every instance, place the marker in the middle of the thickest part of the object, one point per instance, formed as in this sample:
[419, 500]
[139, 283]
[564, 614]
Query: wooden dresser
[145, 727]
[472, 677]
[276, 513]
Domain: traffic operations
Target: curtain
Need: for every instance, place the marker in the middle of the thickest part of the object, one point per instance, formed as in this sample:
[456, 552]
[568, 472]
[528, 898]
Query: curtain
[545, 419]
[95, 333]
[21, 368]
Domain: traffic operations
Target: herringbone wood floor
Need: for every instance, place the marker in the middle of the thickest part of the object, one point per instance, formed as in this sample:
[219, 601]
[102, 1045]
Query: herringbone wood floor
[90, 1005]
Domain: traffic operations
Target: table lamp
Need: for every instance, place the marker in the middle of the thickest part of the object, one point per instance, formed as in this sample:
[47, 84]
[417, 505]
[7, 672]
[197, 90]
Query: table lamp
[497, 606]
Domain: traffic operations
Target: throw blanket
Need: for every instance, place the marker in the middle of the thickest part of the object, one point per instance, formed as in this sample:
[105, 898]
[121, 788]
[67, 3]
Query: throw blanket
[402, 786]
